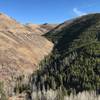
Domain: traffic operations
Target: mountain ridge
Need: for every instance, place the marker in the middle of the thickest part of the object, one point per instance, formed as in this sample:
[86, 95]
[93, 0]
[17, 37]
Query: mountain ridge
[74, 64]
[20, 51]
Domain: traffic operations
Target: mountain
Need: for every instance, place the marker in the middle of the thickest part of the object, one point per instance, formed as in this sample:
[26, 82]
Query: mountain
[20, 51]
[49, 56]
[9, 24]
[48, 27]
[74, 63]
[40, 29]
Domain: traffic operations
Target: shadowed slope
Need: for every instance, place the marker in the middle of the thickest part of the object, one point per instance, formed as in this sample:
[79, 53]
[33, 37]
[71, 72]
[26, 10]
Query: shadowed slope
[74, 64]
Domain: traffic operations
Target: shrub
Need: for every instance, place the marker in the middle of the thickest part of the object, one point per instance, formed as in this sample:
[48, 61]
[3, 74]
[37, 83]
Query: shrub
[2, 92]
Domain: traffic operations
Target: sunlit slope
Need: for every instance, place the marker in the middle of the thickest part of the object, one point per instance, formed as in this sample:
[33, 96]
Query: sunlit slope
[20, 49]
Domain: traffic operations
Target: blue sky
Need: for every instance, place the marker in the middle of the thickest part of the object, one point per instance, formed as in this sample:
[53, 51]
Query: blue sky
[47, 11]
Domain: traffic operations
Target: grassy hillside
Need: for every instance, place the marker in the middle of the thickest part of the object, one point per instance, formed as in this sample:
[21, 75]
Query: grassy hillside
[20, 51]
[74, 64]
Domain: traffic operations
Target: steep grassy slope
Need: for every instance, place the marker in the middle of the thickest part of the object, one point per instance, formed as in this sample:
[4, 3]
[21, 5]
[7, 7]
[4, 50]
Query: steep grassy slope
[74, 64]
[20, 50]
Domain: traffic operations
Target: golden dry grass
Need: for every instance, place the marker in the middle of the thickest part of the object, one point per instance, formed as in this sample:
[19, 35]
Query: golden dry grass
[20, 49]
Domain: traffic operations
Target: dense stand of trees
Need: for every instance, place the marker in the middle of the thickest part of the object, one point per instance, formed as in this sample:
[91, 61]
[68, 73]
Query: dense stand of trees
[73, 66]
[79, 71]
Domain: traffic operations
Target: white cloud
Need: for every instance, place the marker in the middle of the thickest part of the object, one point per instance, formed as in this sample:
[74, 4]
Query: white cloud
[78, 12]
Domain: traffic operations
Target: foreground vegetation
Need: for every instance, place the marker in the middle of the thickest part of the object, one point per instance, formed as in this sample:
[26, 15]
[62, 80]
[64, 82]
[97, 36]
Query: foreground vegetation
[57, 95]
[2, 92]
